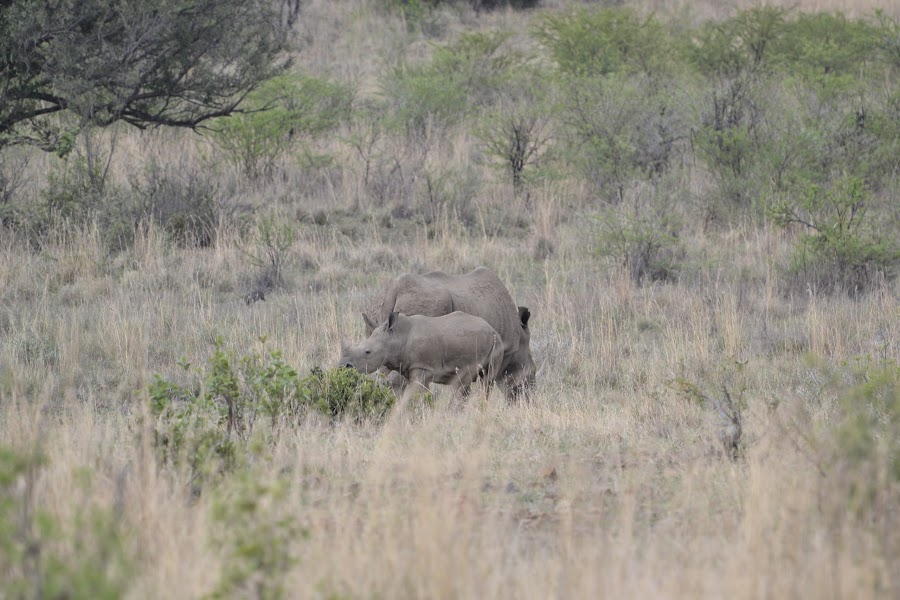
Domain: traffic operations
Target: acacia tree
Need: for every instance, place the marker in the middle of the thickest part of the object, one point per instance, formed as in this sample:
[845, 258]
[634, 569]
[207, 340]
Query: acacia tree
[148, 63]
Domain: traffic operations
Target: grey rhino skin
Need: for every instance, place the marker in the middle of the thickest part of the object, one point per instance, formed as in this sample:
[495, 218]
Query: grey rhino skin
[454, 350]
[479, 293]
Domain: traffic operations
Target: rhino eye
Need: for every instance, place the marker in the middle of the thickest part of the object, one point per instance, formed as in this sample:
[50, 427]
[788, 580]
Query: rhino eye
[368, 352]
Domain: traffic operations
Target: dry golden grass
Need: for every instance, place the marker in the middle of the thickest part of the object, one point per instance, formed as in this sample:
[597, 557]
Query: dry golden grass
[609, 483]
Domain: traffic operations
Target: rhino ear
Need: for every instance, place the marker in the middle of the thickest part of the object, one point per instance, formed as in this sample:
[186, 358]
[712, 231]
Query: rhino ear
[524, 315]
[369, 323]
[392, 320]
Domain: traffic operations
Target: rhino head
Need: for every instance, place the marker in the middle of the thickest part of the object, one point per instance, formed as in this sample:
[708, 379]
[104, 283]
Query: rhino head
[521, 371]
[380, 349]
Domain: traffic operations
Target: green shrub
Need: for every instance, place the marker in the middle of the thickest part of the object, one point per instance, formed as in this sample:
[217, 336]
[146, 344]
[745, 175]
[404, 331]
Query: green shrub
[888, 31]
[189, 429]
[727, 139]
[619, 129]
[868, 427]
[345, 392]
[641, 234]
[592, 42]
[284, 113]
[462, 76]
[204, 425]
[517, 130]
[840, 249]
[855, 444]
[256, 531]
[737, 46]
[44, 557]
[829, 52]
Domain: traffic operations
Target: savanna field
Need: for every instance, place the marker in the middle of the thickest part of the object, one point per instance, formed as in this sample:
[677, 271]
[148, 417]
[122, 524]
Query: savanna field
[699, 203]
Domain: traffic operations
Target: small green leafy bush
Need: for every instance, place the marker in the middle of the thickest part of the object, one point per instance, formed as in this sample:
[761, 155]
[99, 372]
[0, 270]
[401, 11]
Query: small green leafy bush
[619, 129]
[592, 42]
[857, 445]
[342, 391]
[284, 113]
[202, 425]
[42, 556]
[256, 533]
[641, 234]
[829, 52]
[840, 247]
[737, 46]
[462, 76]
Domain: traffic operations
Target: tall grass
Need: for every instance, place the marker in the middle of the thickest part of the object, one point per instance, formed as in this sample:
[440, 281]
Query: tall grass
[612, 481]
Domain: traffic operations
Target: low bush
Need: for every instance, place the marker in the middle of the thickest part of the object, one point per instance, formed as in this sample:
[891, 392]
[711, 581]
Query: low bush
[620, 129]
[202, 424]
[840, 247]
[44, 556]
[186, 201]
[461, 77]
[641, 234]
[346, 392]
[256, 534]
[854, 444]
[285, 112]
[596, 42]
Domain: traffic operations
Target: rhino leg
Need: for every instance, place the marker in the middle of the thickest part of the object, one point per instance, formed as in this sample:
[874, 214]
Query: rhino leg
[419, 382]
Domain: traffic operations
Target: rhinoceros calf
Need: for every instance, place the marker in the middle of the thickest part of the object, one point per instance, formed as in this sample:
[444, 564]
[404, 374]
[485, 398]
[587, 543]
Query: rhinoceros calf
[479, 293]
[454, 350]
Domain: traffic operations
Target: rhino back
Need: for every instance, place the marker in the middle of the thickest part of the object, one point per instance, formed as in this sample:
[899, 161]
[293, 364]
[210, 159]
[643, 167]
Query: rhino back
[481, 293]
[446, 344]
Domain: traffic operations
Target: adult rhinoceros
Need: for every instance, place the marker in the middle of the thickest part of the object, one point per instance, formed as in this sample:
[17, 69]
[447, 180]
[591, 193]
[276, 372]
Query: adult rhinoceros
[479, 293]
[455, 350]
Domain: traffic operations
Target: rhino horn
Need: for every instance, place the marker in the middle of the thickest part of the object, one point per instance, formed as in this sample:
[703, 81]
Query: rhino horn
[369, 323]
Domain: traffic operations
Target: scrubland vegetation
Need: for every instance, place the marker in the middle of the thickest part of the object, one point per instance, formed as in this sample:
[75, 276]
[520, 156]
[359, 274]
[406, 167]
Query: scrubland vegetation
[700, 205]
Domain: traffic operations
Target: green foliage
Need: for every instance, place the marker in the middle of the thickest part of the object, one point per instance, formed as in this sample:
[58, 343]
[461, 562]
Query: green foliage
[461, 76]
[619, 129]
[642, 235]
[282, 114]
[857, 447]
[256, 533]
[841, 247]
[592, 42]
[204, 425]
[517, 130]
[736, 46]
[828, 51]
[869, 427]
[272, 249]
[888, 41]
[340, 392]
[727, 139]
[44, 557]
[188, 429]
